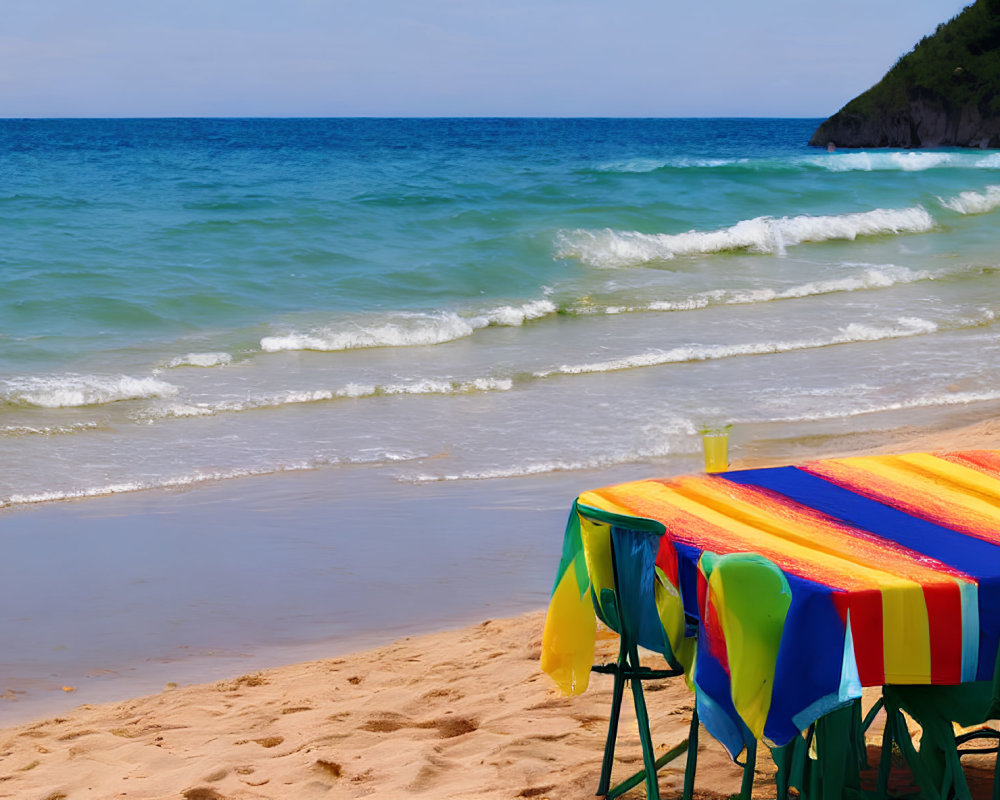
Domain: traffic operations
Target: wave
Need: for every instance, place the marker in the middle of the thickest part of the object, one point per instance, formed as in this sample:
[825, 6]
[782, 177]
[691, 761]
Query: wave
[924, 401]
[974, 202]
[880, 277]
[72, 391]
[408, 329]
[671, 438]
[200, 360]
[350, 391]
[850, 334]
[841, 161]
[46, 430]
[610, 248]
[202, 476]
[641, 165]
[906, 161]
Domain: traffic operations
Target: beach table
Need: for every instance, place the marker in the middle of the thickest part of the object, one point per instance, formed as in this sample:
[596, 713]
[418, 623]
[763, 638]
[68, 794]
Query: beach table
[893, 563]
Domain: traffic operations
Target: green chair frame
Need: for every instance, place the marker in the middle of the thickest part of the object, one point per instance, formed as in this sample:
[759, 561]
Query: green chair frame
[613, 607]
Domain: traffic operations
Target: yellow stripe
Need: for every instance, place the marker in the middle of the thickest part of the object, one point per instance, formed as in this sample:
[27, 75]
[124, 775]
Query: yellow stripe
[597, 501]
[906, 636]
[965, 480]
[944, 483]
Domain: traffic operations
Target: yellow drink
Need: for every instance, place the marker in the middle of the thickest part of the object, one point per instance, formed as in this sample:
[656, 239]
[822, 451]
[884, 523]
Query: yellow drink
[715, 441]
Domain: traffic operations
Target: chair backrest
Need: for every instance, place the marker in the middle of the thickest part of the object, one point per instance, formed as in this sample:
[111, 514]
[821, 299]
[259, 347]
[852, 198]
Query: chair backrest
[631, 594]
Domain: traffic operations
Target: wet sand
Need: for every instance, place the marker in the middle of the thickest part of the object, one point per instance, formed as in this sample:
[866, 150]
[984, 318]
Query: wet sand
[141, 594]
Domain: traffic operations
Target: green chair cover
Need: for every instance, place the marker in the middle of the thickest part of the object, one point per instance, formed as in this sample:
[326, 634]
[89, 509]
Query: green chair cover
[840, 755]
[749, 596]
[937, 764]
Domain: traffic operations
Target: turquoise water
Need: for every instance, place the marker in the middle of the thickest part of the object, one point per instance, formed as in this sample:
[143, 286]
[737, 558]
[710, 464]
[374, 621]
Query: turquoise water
[189, 300]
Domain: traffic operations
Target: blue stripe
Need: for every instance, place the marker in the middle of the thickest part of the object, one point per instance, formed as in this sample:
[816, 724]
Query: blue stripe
[973, 556]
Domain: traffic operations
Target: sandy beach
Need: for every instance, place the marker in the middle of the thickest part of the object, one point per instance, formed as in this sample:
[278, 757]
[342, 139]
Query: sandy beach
[459, 713]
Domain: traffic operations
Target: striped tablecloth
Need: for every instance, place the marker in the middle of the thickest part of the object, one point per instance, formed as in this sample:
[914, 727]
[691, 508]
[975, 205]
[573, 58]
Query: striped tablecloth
[893, 564]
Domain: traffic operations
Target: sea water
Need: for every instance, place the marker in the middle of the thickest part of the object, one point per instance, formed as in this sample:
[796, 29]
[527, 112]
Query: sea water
[465, 299]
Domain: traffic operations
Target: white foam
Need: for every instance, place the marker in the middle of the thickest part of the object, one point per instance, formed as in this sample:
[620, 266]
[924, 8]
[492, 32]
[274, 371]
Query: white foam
[924, 401]
[880, 277]
[974, 202]
[407, 329]
[610, 248]
[202, 476]
[653, 164]
[201, 360]
[854, 332]
[673, 437]
[863, 161]
[46, 430]
[297, 397]
[71, 391]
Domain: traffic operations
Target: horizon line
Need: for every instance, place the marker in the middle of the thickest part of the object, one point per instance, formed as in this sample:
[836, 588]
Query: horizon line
[395, 117]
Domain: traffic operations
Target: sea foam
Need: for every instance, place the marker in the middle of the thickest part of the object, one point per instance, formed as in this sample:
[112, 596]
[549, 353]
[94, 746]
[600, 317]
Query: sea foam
[197, 477]
[407, 329]
[70, 391]
[852, 333]
[974, 202]
[610, 248]
[881, 277]
[353, 391]
[871, 162]
[201, 360]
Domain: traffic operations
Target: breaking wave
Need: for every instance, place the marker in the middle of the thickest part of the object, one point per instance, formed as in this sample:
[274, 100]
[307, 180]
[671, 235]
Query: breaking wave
[610, 248]
[855, 332]
[407, 329]
[71, 391]
[201, 360]
[924, 401]
[974, 202]
[671, 438]
[350, 391]
[200, 477]
[881, 277]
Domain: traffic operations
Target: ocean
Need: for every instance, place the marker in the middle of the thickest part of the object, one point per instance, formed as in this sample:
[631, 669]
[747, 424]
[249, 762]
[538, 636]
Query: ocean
[319, 384]
[189, 300]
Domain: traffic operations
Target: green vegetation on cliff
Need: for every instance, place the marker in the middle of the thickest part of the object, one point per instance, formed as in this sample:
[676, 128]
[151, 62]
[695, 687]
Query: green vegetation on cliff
[960, 61]
[945, 91]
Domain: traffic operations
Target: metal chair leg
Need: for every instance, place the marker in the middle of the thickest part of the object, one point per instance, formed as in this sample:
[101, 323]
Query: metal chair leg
[746, 787]
[616, 707]
[692, 757]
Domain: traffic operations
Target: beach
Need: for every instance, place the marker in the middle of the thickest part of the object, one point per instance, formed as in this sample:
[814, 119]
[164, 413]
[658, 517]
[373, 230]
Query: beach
[281, 391]
[458, 713]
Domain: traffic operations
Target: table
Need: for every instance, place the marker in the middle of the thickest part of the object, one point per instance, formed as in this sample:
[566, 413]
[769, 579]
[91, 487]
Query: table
[893, 563]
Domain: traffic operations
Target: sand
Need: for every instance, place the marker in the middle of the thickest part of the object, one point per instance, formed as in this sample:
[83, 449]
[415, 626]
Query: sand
[464, 713]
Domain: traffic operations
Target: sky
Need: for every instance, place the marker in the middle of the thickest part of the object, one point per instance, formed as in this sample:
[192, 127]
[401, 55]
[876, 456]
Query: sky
[619, 58]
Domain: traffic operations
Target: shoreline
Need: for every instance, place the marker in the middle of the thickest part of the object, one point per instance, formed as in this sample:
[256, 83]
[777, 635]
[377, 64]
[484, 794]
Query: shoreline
[119, 595]
[516, 717]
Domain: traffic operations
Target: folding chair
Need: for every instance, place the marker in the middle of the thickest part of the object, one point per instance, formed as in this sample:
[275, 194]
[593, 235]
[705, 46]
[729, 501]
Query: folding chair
[635, 599]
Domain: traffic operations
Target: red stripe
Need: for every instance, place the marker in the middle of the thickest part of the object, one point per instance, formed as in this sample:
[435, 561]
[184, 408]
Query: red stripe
[714, 636]
[866, 630]
[944, 613]
[666, 559]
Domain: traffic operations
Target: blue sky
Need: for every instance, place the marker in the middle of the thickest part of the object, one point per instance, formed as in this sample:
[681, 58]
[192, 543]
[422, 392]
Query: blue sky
[659, 58]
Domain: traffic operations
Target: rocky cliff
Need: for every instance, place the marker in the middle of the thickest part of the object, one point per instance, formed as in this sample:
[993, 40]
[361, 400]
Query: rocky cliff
[944, 92]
